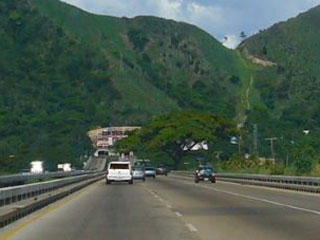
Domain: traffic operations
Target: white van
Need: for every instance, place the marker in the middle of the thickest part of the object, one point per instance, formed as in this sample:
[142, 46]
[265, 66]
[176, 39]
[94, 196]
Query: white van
[119, 172]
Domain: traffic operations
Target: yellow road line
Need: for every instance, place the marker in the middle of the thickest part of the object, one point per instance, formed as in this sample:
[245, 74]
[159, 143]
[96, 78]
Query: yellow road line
[43, 213]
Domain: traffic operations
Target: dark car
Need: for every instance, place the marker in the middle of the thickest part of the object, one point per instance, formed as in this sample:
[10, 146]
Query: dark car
[205, 174]
[162, 170]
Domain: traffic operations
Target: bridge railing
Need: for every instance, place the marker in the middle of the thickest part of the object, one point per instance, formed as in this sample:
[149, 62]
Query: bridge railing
[308, 184]
[9, 195]
[10, 180]
[19, 201]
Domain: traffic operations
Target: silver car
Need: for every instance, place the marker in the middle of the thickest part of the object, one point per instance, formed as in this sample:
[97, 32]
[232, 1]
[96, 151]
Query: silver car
[139, 173]
[150, 172]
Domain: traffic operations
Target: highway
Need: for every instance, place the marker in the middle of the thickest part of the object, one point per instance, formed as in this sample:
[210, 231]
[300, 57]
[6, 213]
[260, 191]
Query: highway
[173, 208]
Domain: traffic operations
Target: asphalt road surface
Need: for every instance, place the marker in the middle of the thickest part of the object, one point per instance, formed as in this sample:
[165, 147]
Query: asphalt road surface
[173, 208]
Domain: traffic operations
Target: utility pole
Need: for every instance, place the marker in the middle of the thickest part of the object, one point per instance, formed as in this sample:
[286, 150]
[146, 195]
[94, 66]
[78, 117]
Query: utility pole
[272, 145]
[240, 144]
[255, 140]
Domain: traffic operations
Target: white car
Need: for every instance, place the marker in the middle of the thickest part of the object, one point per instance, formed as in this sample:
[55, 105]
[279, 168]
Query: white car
[150, 172]
[119, 172]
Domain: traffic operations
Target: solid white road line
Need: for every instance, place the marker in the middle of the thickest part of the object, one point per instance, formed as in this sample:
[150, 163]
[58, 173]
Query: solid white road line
[256, 199]
[264, 200]
[191, 227]
[257, 187]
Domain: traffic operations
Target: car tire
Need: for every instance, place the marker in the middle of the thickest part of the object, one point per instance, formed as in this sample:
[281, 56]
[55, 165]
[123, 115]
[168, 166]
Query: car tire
[196, 181]
[130, 182]
[213, 181]
[154, 176]
[166, 174]
[143, 179]
[108, 182]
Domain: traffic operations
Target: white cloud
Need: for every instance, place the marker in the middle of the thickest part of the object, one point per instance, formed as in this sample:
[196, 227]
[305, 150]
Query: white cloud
[231, 41]
[171, 9]
[218, 17]
[202, 15]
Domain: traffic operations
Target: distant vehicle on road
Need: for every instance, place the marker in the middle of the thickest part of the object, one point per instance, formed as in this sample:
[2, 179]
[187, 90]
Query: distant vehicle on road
[119, 172]
[142, 162]
[36, 167]
[139, 173]
[162, 170]
[150, 172]
[25, 171]
[205, 174]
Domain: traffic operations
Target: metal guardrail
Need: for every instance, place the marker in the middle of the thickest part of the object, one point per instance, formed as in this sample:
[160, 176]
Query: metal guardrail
[21, 178]
[19, 201]
[309, 181]
[307, 184]
[10, 195]
[93, 164]
[13, 212]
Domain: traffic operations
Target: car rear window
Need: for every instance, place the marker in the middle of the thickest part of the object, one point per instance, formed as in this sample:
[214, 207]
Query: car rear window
[148, 168]
[137, 168]
[207, 169]
[119, 166]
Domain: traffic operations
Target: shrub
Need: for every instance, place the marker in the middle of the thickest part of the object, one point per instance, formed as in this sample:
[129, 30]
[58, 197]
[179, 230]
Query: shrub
[277, 169]
[303, 162]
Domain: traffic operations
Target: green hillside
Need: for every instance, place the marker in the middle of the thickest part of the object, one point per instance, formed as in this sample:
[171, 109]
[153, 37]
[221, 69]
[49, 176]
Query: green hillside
[289, 90]
[175, 62]
[52, 88]
[64, 71]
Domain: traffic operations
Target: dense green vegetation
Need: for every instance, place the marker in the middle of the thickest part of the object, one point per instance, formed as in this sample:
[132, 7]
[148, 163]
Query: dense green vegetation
[64, 71]
[52, 89]
[172, 65]
[176, 134]
[288, 92]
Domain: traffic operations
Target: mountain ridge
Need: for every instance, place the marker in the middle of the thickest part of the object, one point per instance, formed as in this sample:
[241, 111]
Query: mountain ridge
[66, 71]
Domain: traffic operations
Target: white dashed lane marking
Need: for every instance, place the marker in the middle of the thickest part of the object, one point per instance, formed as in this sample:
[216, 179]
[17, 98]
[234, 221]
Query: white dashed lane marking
[191, 227]
[178, 214]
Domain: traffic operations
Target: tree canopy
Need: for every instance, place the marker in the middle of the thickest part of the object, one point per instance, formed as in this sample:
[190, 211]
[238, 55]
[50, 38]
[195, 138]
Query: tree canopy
[177, 133]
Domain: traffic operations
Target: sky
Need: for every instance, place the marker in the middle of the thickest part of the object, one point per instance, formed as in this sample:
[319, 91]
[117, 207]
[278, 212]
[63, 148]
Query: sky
[224, 19]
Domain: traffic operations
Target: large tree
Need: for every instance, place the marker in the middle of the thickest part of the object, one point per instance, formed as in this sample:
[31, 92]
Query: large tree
[177, 133]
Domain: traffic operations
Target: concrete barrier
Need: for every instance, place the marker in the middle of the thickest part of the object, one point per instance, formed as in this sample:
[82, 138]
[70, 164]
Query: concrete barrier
[10, 195]
[13, 212]
[15, 179]
[97, 163]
